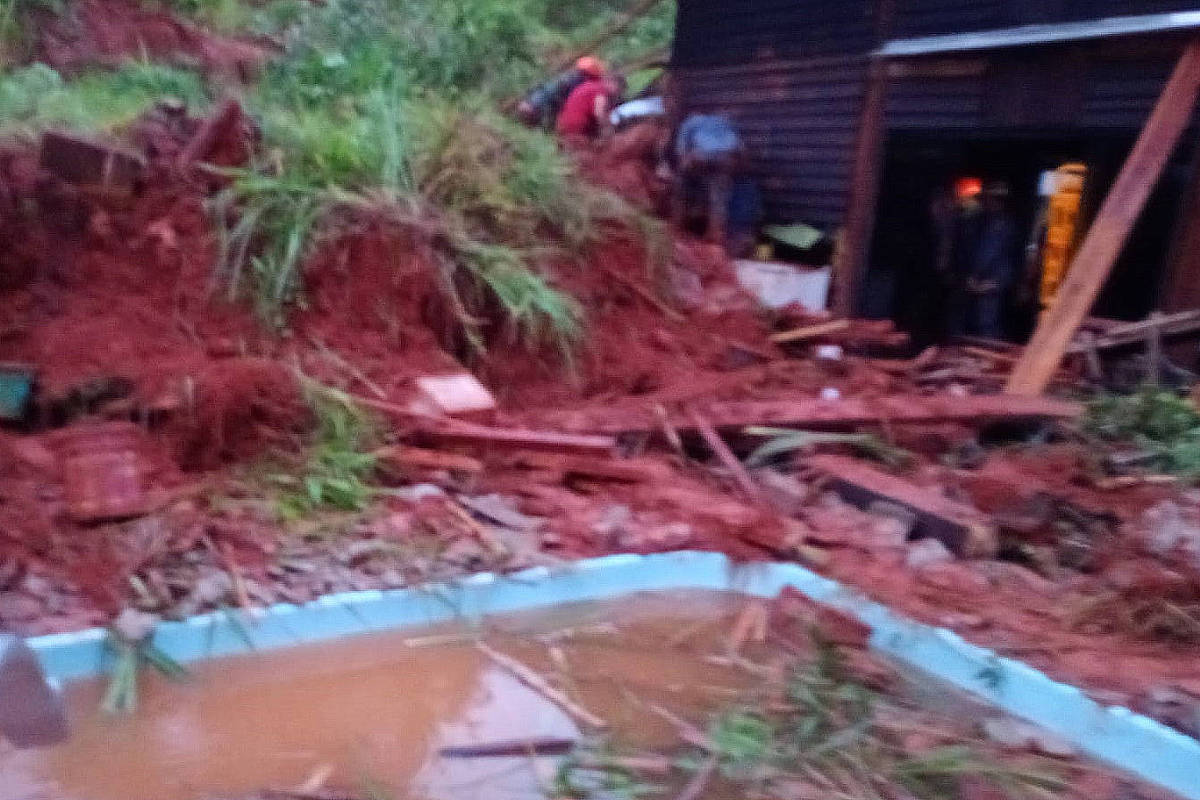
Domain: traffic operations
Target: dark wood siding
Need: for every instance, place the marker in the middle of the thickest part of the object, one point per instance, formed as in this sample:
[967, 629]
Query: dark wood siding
[1097, 86]
[792, 74]
[719, 32]
[799, 120]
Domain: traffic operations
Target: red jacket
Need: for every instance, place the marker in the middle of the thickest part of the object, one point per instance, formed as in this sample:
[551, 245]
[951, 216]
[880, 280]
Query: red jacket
[578, 115]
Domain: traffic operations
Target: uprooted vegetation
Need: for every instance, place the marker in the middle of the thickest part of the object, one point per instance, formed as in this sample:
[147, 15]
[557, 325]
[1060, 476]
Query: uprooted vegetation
[1161, 424]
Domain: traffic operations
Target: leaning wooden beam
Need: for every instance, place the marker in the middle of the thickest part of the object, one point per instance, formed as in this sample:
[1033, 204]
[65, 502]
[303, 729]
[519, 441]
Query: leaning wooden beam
[964, 530]
[820, 414]
[1110, 231]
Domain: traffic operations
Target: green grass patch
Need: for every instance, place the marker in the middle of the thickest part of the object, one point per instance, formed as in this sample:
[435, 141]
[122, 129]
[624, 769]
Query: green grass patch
[35, 98]
[1162, 423]
[337, 472]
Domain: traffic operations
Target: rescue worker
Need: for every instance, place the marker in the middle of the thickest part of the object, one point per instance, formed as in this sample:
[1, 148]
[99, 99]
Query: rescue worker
[708, 154]
[989, 259]
[541, 106]
[586, 114]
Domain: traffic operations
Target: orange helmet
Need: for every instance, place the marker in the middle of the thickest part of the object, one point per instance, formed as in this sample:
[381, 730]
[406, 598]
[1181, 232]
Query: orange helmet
[590, 66]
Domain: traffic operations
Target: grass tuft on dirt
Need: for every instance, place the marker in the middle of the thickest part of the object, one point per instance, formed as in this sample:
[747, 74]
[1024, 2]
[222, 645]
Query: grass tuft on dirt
[339, 464]
[35, 98]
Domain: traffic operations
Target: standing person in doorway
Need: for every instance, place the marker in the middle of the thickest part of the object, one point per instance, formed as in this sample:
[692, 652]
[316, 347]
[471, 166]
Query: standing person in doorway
[991, 256]
[708, 153]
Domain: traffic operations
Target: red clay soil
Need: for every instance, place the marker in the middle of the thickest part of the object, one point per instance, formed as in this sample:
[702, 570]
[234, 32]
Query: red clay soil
[103, 33]
[128, 293]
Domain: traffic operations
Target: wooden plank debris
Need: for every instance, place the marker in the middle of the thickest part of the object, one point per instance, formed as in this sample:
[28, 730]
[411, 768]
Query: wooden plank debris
[812, 332]
[725, 456]
[847, 332]
[617, 470]
[1131, 333]
[962, 528]
[820, 414]
[419, 458]
[1110, 231]
[488, 438]
[540, 685]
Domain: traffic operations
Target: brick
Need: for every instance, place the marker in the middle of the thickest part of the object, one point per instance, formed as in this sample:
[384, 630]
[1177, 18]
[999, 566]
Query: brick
[455, 395]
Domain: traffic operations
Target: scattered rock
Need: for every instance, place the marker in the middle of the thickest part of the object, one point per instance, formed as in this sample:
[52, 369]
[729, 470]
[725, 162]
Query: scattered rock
[613, 525]
[903, 519]
[672, 536]
[211, 588]
[927, 552]
[1015, 734]
[889, 533]
[1169, 532]
[19, 607]
[133, 625]
[954, 578]
[1020, 578]
[1178, 709]
[796, 611]
[420, 491]
[955, 621]
[499, 510]
[785, 493]
[10, 570]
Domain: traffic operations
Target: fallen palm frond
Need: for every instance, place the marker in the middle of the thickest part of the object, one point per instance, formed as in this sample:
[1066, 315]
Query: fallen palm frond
[785, 441]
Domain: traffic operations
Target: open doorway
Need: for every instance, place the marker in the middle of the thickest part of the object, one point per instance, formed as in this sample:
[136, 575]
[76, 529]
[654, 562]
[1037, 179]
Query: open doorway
[909, 279]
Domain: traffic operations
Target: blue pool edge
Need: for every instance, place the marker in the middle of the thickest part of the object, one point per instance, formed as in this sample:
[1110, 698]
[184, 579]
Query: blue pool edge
[1116, 736]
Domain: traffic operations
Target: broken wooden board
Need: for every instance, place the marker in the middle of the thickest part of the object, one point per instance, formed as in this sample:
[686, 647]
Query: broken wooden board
[728, 460]
[616, 470]
[1130, 333]
[821, 414]
[488, 438]
[418, 458]
[1111, 229]
[964, 530]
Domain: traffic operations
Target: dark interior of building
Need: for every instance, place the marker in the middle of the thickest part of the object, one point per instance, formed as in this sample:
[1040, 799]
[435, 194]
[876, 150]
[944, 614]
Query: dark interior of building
[903, 282]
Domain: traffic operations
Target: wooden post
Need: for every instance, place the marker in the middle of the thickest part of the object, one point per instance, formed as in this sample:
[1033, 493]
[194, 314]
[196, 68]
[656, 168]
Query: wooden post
[1111, 230]
[865, 180]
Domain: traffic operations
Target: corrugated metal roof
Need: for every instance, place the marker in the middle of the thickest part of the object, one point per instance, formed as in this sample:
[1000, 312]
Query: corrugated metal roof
[1026, 35]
